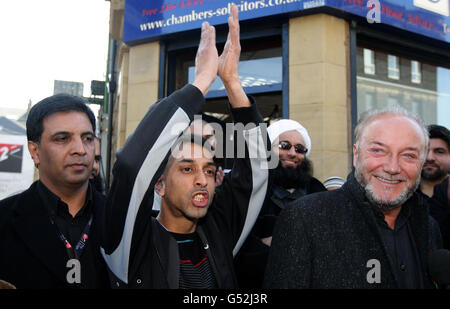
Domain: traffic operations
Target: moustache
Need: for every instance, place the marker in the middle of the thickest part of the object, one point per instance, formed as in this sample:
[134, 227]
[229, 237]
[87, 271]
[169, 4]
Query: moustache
[431, 164]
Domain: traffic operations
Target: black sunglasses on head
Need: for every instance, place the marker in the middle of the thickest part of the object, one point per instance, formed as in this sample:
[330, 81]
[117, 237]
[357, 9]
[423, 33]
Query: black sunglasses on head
[298, 148]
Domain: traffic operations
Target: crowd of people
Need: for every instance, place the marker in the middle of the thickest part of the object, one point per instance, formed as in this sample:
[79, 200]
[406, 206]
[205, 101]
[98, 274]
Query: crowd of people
[173, 219]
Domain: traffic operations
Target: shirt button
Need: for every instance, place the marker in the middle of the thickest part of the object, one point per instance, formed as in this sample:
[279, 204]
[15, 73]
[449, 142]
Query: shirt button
[403, 267]
[138, 281]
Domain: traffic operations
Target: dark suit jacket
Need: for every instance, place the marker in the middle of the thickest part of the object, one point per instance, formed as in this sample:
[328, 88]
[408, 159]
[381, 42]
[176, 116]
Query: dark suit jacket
[32, 255]
[250, 263]
[326, 239]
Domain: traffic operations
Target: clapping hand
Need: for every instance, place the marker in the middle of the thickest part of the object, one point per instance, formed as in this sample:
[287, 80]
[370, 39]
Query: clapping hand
[206, 60]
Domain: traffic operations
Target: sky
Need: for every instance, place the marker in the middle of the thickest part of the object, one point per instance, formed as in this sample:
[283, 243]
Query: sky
[47, 40]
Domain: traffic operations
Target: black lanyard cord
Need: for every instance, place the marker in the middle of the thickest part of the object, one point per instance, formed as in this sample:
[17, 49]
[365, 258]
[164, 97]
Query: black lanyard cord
[75, 253]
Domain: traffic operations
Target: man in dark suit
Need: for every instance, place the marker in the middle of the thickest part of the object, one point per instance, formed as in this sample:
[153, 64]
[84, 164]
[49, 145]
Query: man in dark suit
[50, 232]
[373, 232]
[434, 186]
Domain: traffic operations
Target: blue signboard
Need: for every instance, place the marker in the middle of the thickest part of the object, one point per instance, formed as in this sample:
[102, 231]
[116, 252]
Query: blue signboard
[150, 18]
[146, 19]
[426, 17]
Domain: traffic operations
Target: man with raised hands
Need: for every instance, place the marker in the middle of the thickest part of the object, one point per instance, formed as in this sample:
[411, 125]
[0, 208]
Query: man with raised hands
[191, 242]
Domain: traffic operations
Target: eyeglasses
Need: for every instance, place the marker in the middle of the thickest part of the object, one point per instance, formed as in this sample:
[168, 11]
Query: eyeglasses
[298, 148]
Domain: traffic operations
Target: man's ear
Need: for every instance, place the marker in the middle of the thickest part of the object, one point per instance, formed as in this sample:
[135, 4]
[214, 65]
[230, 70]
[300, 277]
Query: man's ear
[160, 186]
[355, 155]
[33, 148]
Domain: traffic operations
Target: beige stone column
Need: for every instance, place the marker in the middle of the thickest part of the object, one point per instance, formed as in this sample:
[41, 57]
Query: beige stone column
[120, 108]
[143, 69]
[137, 90]
[319, 96]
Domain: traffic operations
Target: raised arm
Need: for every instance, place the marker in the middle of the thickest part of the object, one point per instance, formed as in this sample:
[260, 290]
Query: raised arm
[229, 63]
[240, 197]
[206, 60]
[141, 161]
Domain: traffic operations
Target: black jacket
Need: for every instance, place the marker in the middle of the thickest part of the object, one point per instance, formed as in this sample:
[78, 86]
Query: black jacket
[277, 199]
[31, 253]
[251, 261]
[440, 209]
[325, 240]
[140, 253]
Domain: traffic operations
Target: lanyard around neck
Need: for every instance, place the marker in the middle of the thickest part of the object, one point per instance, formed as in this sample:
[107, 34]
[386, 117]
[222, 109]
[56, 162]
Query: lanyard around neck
[75, 253]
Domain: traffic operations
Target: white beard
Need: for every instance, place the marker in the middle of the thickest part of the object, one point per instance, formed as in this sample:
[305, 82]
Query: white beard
[379, 201]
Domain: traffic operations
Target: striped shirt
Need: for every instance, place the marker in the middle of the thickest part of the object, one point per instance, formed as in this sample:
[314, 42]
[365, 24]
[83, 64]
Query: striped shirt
[195, 270]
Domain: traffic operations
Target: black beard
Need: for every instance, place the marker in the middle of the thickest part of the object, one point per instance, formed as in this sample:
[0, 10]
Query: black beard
[438, 174]
[288, 178]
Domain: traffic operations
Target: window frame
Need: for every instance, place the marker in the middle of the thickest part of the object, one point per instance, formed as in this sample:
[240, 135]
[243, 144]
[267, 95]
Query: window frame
[369, 68]
[417, 73]
[393, 71]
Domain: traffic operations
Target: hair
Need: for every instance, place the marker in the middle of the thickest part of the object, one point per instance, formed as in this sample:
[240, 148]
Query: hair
[298, 177]
[437, 131]
[367, 116]
[54, 104]
[186, 138]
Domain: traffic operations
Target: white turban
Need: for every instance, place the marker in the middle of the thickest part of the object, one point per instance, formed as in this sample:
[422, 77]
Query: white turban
[284, 125]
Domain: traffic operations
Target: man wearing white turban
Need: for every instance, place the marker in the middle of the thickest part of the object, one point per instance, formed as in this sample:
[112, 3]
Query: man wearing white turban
[291, 180]
[285, 125]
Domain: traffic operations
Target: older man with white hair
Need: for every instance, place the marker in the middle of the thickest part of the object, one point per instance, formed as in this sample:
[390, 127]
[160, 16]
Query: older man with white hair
[290, 180]
[373, 232]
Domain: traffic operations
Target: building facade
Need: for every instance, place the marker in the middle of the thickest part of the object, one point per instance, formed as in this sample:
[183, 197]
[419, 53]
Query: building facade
[320, 62]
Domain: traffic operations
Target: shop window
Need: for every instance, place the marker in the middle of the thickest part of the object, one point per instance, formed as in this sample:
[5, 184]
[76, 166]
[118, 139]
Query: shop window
[426, 91]
[369, 101]
[416, 75]
[392, 102]
[260, 72]
[415, 107]
[393, 67]
[265, 72]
